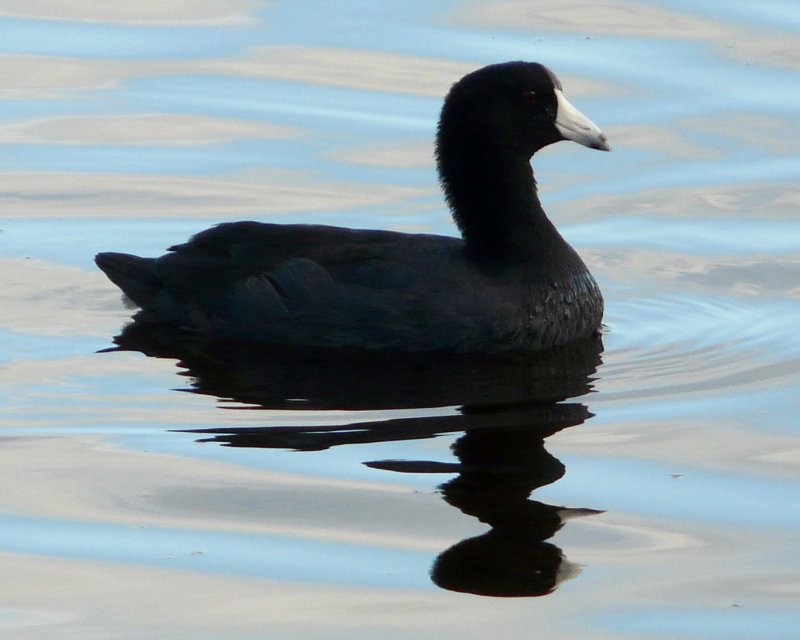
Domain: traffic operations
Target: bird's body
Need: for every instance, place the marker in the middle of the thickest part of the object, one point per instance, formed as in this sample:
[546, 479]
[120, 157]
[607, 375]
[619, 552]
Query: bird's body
[512, 283]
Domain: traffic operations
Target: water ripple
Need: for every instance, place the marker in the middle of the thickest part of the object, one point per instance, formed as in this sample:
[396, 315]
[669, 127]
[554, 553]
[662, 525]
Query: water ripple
[679, 344]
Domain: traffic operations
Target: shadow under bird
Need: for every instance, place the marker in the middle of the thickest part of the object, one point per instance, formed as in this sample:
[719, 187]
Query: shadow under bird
[510, 283]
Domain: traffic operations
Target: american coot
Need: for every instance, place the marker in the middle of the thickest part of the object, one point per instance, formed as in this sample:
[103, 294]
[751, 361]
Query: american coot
[512, 283]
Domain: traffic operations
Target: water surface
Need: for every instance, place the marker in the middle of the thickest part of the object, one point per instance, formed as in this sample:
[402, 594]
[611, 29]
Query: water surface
[645, 488]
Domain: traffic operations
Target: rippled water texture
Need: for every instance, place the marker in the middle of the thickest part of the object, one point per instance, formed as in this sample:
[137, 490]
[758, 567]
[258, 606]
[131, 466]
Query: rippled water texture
[645, 487]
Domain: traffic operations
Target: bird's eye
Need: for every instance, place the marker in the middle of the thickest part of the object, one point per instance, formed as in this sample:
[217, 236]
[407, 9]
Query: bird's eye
[529, 97]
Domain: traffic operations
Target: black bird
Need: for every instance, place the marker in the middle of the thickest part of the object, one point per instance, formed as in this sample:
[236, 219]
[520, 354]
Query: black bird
[512, 283]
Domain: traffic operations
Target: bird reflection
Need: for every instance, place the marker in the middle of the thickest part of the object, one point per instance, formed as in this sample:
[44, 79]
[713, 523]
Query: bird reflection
[508, 406]
[498, 469]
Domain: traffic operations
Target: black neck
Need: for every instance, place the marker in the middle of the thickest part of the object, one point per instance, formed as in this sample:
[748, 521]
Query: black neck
[492, 194]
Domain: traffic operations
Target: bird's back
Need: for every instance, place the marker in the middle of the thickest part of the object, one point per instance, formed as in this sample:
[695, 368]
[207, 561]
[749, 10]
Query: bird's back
[332, 287]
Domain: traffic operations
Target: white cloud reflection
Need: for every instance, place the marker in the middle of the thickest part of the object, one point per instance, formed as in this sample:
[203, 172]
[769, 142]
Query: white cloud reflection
[623, 19]
[401, 155]
[29, 77]
[146, 12]
[49, 299]
[159, 195]
[151, 129]
[39, 77]
[608, 17]
[371, 70]
[767, 200]
[215, 496]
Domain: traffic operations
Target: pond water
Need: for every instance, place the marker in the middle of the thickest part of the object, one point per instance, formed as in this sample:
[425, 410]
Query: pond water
[368, 498]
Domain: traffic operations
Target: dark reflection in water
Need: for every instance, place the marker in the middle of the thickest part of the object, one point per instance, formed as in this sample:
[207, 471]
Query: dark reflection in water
[507, 407]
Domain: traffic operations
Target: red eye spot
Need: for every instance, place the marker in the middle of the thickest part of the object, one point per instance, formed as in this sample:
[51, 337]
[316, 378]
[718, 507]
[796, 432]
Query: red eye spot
[529, 97]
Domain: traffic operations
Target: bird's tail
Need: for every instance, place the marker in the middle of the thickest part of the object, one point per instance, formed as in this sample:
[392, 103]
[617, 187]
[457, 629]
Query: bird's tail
[134, 275]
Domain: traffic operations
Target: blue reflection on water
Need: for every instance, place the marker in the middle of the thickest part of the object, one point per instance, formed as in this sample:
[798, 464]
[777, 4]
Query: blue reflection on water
[733, 622]
[18, 345]
[274, 557]
[698, 496]
[709, 236]
[57, 239]
[331, 109]
[189, 160]
[784, 14]
[98, 40]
